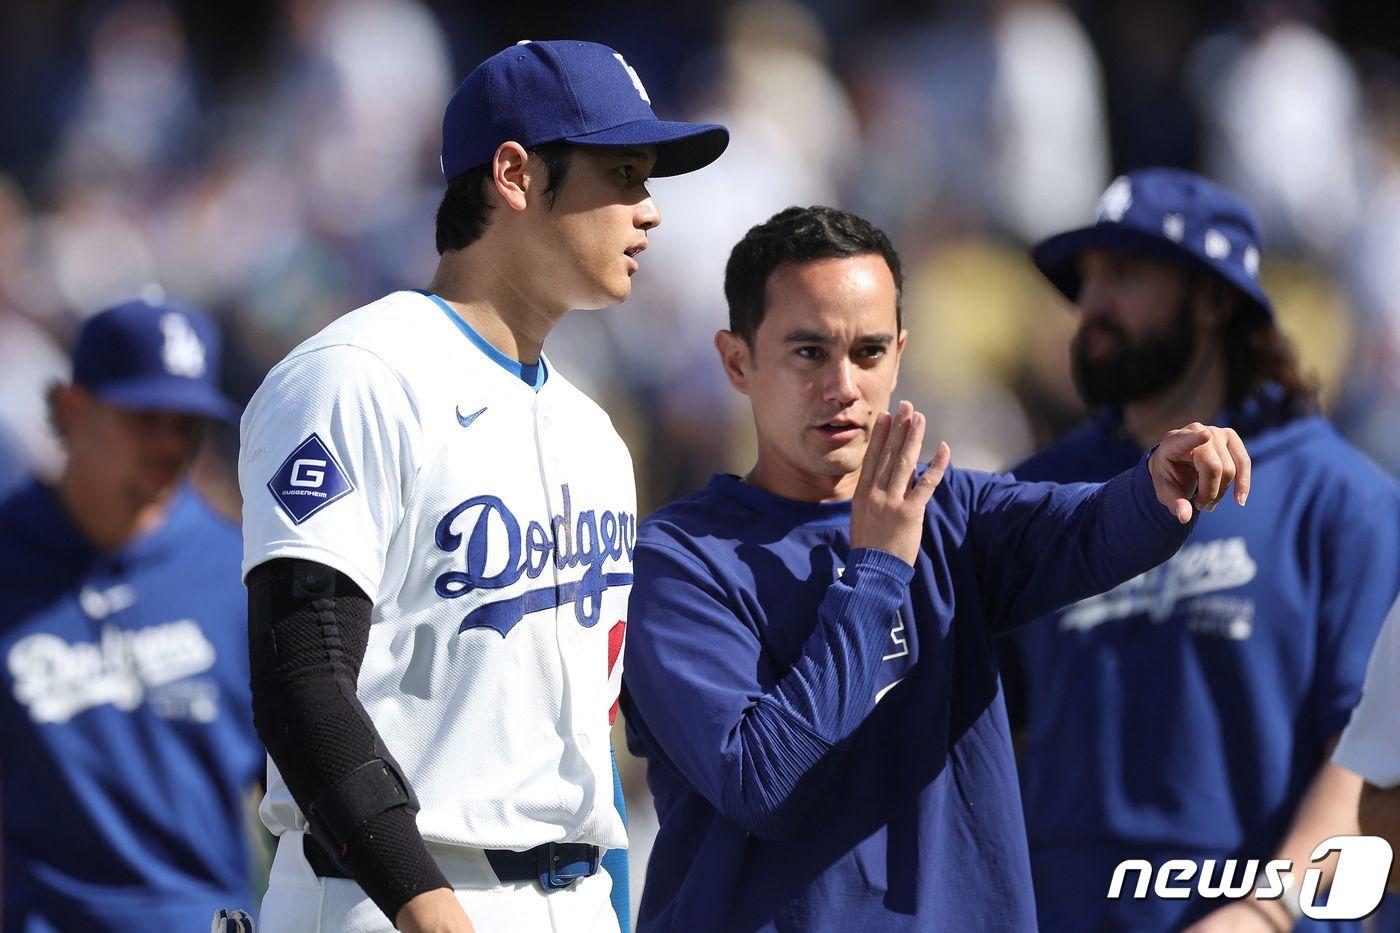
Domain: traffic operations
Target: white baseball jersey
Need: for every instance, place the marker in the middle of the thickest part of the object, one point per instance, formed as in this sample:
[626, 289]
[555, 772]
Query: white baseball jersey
[492, 524]
[1370, 744]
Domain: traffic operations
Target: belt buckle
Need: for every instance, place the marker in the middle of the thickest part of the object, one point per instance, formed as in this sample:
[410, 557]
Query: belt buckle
[555, 873]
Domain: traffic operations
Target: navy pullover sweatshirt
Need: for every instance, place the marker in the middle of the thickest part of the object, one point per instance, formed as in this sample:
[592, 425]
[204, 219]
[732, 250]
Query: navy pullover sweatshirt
[1185, 713]
[825, 734]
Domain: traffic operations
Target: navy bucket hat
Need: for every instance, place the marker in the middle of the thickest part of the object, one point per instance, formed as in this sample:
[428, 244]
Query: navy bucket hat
[566, 91]
[155, 356]
[1170, 213]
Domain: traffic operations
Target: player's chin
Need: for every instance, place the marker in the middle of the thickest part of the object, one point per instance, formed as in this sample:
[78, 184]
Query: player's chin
[150, 487]
[840, 461]
[609, 293]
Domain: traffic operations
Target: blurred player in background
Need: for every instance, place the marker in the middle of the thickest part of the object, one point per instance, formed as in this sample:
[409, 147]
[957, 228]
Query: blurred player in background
[125, 720]
[438, 533]
[1190, 713]
[810, 671]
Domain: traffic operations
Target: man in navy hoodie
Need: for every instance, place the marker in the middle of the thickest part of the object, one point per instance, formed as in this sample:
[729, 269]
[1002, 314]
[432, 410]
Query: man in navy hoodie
[127, 750]
[810, 665]
[1189, 713]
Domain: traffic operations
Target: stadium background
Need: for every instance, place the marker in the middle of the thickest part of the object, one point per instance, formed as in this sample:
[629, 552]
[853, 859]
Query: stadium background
[276, 163]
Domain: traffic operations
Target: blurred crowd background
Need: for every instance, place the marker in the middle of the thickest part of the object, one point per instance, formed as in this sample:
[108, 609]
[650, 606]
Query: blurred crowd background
[276, 164]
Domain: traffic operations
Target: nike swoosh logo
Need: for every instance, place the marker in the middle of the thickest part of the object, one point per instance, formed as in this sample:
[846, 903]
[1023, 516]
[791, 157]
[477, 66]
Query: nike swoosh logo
[466, 420]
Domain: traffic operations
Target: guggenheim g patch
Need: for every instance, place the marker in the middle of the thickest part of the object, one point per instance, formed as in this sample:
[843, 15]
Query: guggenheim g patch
[309, 480]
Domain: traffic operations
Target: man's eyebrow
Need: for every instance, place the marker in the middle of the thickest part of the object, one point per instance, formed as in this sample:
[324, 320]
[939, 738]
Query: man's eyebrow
[639, 154]
[807, 336]
[816, 336]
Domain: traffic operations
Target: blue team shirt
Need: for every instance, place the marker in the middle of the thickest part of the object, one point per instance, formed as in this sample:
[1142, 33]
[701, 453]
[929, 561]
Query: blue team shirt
[826, 740]
[126, 734]
[1184, 714]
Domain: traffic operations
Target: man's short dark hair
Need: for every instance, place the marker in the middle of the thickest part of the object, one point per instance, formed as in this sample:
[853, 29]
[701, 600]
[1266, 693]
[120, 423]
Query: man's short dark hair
[799, 234]
[466, 208]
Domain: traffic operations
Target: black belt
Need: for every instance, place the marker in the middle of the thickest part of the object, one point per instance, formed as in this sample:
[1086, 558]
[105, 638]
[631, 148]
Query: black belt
[552, 865]
[321, 861]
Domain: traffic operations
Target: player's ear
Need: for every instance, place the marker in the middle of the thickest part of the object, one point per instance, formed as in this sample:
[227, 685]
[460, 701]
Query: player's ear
[736, 358]
[60, 400]
[67, 405]
[508, 174]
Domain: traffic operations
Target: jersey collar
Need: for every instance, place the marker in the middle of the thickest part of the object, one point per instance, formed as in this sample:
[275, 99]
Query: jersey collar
[532, 374]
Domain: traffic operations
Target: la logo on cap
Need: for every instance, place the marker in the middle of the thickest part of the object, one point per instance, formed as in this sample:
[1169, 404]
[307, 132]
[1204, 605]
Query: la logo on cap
[1116, 200]
[182, 354]
[632, 73]
[566, 91]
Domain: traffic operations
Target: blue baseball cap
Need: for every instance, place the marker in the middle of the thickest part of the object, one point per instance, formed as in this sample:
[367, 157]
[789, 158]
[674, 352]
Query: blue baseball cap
[153, 355]
[1169, 213]
[566, 91]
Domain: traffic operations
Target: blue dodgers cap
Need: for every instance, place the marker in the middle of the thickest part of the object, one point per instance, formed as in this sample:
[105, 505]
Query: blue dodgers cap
[571, 91]
[156, 356]
[1169, 213]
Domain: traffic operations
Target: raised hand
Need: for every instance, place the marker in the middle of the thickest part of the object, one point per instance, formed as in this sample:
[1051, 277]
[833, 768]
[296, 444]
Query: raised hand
[1201, 461]
[887, 512]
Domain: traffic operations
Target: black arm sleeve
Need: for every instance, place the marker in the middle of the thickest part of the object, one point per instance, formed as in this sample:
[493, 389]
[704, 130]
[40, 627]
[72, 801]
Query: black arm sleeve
[308, 626]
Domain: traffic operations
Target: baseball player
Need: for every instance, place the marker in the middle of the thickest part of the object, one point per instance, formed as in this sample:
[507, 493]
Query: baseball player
[1370, 744]
[1189, 713]
[127, 749]
[438, 534]
[810, 667]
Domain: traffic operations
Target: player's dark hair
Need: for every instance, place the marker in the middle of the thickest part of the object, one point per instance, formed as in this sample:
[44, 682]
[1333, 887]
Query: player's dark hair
[799, 234]
[1257, 353]
[466, 208]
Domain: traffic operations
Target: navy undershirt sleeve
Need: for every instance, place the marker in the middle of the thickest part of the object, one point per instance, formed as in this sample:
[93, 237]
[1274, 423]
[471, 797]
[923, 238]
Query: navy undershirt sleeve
[1041, 546]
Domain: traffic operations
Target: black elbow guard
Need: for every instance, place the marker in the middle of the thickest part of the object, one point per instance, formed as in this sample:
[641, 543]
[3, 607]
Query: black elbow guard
[338, 813]
[308, 626]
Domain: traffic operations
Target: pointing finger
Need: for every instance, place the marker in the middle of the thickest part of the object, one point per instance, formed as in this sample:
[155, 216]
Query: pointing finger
[1243, 465]
[1179, 444]
[1208, 474]
[1227, 466]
